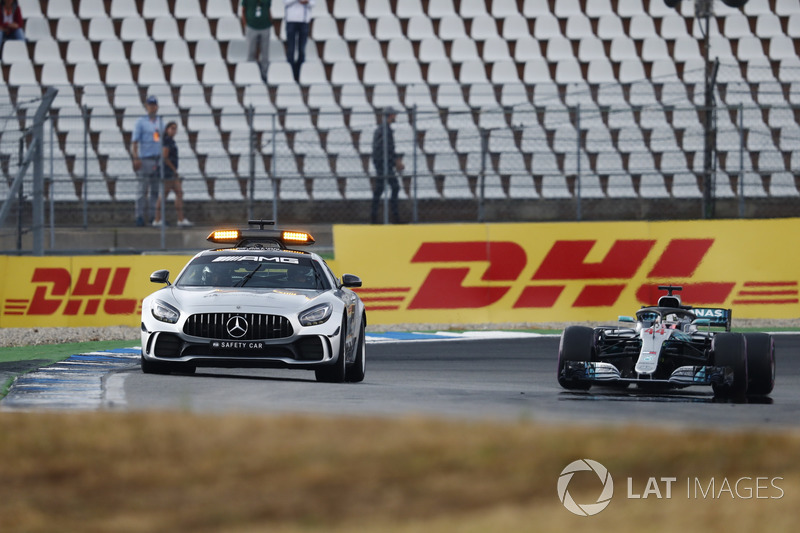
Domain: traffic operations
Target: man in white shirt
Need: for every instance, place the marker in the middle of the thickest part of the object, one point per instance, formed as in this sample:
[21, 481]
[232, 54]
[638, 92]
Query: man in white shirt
[297, 15]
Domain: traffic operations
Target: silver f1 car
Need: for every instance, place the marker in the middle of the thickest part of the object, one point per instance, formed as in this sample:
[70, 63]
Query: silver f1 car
[671, 345]
[256, 304]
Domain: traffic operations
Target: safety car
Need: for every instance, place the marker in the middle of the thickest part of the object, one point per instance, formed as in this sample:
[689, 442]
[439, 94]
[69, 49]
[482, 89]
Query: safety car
[256, 303]
[670, 345]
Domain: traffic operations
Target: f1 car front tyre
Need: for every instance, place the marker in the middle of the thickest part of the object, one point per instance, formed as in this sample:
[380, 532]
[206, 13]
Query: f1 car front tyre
[577, 344]
[760, 364]
[730, 349]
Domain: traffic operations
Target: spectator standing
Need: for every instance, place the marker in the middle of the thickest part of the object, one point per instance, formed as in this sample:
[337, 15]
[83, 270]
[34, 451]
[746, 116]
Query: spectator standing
[257, 21]
[387, 162]
[172, 180]
[11, 22]
[297, 16]
[146, 150]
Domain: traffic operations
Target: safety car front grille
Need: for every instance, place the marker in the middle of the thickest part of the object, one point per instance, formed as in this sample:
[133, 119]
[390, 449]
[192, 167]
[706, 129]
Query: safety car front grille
[219, 325]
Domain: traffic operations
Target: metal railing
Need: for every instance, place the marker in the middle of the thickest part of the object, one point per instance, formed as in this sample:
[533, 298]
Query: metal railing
[583, 149]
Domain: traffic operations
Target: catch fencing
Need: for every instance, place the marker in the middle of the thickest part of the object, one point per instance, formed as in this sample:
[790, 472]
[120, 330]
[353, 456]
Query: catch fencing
[555, 152]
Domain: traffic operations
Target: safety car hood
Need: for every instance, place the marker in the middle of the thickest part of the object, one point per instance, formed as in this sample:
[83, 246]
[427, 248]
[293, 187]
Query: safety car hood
[202, 299]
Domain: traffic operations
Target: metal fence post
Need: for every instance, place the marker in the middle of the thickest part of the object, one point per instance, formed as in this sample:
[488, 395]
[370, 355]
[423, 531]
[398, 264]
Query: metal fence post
[21, 194]
[161, 187]
[741, 160]
[414, 206]
[85, 188]
[252, 158]
[51, 202]
[482, 176]
[578, 214]
[384, 180]
[273, 167]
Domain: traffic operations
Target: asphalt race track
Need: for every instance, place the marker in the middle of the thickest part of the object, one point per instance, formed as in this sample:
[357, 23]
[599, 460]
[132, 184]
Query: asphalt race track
[502, 379]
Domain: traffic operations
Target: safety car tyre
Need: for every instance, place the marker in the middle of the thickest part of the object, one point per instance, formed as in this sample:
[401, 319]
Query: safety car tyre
[355, 371]
[730, 349]
[335, 373]
[760, 363]
[577, 344]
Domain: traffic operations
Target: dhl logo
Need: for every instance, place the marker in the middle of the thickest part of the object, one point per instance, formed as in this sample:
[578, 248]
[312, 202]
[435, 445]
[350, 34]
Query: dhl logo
[95, 290]
[566, 261]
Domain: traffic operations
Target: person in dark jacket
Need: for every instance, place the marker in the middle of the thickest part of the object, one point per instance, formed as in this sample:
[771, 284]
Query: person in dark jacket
[172, 180]
[387, 163]
[11, 22]
[297, 16]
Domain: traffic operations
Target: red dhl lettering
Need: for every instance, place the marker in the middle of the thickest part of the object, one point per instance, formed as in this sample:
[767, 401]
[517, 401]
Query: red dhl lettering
[444, 289]
[444, 286]
[55, 288]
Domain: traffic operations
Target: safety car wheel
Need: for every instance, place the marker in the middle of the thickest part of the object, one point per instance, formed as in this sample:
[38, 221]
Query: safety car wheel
[335, 373]
[760, 363]
[577, 344]
[730, 349]
[355, 371]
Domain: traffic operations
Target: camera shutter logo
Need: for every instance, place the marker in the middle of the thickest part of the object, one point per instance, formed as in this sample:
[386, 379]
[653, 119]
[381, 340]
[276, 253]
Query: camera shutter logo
[585, 509]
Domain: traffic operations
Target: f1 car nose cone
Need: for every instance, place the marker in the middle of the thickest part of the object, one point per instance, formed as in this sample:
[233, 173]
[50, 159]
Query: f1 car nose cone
[237, 327]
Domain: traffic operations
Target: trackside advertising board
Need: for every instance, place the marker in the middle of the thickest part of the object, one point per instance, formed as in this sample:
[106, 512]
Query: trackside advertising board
[495, 273]
[79, 291]
[468, 273]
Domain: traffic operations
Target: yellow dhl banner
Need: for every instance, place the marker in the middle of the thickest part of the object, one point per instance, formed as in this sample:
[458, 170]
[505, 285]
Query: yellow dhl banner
[79, 291]
[558, 272]
[468, 273]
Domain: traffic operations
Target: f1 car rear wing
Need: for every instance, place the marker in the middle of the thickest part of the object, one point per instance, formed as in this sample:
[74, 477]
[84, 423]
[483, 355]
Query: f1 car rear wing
[717, 318]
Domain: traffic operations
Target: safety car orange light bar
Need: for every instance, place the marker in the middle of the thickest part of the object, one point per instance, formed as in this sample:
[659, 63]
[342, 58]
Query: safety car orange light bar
[296, 236]
[226, 235]
[246, 237]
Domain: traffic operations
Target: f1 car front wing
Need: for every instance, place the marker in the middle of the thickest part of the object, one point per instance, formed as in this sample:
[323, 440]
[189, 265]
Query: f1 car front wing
[682, 376]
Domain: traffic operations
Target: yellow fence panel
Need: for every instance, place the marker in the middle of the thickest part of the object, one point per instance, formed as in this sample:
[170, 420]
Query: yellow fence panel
[468, 273]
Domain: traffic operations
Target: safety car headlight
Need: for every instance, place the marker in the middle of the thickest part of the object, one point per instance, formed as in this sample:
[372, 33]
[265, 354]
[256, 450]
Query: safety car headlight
[164, 312]
[316, 315]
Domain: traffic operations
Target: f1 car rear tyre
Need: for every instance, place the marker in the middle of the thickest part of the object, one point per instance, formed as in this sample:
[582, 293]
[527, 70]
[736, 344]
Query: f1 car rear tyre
[335, 373]
[760, 363]
[577, 344]
[730, 349]
[355, 371]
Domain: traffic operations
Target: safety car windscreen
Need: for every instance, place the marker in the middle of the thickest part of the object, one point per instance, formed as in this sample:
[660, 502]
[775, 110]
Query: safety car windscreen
[253, 271]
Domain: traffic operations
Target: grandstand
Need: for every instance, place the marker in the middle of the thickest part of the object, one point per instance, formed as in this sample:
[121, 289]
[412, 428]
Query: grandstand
[547, 101]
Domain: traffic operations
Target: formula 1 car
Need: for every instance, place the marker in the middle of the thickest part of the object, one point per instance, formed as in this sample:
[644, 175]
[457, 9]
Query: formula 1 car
[256, 304]
[670, 346]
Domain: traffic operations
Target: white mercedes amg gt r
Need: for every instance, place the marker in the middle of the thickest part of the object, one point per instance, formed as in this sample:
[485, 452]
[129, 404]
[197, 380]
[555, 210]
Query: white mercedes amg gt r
[257, 304]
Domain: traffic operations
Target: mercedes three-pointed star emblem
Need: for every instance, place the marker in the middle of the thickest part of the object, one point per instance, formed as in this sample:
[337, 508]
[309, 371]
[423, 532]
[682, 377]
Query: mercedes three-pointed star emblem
[237, 326]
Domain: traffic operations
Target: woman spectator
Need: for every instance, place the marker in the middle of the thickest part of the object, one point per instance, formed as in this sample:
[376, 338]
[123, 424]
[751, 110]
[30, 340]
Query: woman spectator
[11, 22]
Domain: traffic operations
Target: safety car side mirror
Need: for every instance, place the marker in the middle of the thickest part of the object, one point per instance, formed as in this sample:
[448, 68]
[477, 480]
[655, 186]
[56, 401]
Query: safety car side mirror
[160, 276]
[350, 280]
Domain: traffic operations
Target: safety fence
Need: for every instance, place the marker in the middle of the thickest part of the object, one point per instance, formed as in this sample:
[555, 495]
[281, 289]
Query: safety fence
[610, 145]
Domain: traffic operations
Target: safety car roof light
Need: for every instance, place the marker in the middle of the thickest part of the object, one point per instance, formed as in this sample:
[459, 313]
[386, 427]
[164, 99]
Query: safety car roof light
[297, 237]
[225, 236]
[262, 236]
